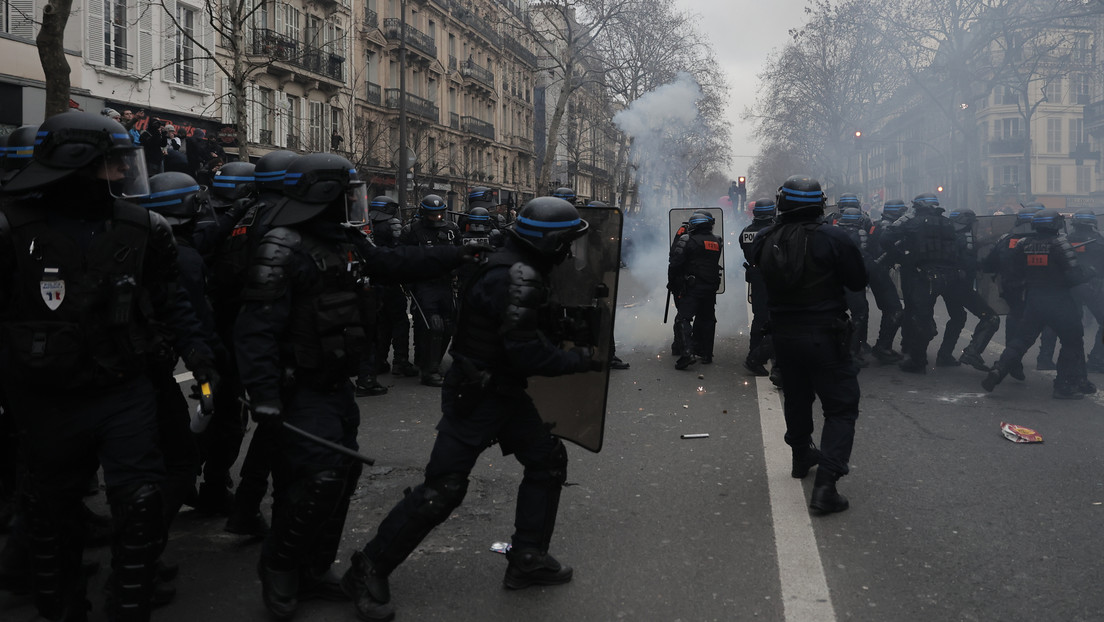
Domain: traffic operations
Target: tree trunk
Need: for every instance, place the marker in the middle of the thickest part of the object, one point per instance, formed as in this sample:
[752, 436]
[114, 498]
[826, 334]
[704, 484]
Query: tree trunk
[51, 53]
[553, 140]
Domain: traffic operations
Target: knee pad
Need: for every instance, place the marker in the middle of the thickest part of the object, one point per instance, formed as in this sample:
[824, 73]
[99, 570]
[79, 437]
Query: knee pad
[437, 498]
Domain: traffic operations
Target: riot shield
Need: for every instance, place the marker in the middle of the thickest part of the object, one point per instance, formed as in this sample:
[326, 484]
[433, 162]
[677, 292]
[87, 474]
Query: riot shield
[679, 216]
[988, 230]
[584, 297]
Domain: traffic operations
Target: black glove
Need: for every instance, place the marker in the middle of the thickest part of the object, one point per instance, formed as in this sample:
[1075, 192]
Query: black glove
[202, 368]
[586, 360]
[267, 410]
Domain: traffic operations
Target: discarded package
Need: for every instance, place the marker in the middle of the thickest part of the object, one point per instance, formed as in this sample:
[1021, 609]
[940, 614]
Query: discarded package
[1020, 434]
[500, 547]
[694, 436]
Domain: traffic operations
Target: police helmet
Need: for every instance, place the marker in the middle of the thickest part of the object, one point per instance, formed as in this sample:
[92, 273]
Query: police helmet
[73, 141]
[478, 220]
[850, 217]
[598, 204]
[565, 193]
[925, 200]
[1027, 213]
[848, 200]
[1084, 218]
[382, 208]
[321, 184]
[800, 193]
[764, 210]
[480, 195]
[271, 169]
[19, 151]
[432, 209]
[234, 180]
[701, 220]
[1047, 221]
[963, 217]
[176, 196]
[893, 209]
[548, 225]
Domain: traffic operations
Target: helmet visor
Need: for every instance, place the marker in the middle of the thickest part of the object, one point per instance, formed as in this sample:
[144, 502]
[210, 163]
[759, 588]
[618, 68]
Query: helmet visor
[125, 172]
[356, 204]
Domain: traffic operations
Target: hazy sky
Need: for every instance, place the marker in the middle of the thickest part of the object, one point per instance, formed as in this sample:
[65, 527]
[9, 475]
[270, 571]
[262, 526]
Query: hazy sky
[743, 33]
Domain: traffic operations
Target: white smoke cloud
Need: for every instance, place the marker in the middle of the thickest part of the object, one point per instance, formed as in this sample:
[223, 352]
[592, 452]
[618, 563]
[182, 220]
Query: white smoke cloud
[659, 122]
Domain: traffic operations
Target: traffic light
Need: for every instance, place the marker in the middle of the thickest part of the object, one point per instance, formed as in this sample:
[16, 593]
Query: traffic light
[939, 188]
[858, 139]
[742, 181]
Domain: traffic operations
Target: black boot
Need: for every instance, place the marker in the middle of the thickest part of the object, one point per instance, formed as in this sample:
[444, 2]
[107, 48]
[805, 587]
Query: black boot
[973, 359]
[804, 458]
[279, 590]
[913, 366]
[995, 376]
[825, 499]
[403, 367]
[534, 568]
[369, 386]
[368, 589]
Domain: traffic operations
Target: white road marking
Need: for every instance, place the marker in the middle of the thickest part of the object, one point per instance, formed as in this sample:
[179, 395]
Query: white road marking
[184, 377]
[805, 594]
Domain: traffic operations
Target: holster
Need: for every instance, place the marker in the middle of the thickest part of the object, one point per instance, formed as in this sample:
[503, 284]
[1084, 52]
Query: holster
[844, 329]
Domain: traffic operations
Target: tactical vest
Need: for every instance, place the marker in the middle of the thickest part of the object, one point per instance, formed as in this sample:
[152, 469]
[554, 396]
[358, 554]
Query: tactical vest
[235, 254]
[747, 236]
[703, 258]
[479, 335]
[78, 318]
[1048, 261]
[327, 338]
[934, 241]
[791, 275]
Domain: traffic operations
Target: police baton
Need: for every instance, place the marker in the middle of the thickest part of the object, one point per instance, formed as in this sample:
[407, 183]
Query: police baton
[318, 440]
[417, 306]
[667, 307]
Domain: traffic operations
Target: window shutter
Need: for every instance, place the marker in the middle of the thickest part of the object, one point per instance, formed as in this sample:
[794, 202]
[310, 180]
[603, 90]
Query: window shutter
[145, 38]
[95, 27]
[279, 8]
[254, 113]
[168, 46]
[22, 18]
[279, 137]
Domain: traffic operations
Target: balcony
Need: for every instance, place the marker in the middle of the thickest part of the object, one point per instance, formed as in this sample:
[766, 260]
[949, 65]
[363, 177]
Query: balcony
[521, 142]
[1094, 116]
[371, 19]
[1014, 145]
[283, 49]
[415, 105]
[519, 50]
[265, 137]
[416, 39]
[469, 69]
[477, 127]
[375, 94]
[476, 23]
[1082, 152]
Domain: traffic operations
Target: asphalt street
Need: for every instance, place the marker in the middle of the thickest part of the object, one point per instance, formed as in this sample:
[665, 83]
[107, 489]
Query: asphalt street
[948, 521]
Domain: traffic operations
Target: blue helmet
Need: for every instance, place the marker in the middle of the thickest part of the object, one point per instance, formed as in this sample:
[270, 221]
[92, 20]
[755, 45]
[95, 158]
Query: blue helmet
[234, 180]
[1027, 212]
[1084, 218]
[799, 193]
[701, 220]
[1047, 221]
[565, 193]
[848, 200]
[548, 225]
[850, 217]
[764, 210]
[176, 196]
[893, 209]
[925, 200]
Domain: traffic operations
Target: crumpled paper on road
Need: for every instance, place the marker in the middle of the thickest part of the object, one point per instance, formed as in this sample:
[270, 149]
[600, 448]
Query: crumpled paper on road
[1020, 434]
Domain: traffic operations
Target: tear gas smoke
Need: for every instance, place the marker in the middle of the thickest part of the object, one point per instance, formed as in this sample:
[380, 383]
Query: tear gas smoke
[658, 121]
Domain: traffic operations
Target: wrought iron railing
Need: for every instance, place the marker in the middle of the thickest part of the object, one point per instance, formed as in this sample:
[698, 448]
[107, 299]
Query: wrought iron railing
[470, 69]
[419, 106]
[392, 29]
[478, 127]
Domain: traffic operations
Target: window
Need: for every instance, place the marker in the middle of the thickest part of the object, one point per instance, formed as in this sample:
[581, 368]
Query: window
[184, 48]
[316, 119]
[291, 18]
[336, 126]
[1084, 179]
[115, 34]
[1010, 175]
[1077, 134]
[1054, 178]
[1053, 91]
[1081, 88]
[1054, 135]
[294, 113]
[1009, 128]
[266, 121]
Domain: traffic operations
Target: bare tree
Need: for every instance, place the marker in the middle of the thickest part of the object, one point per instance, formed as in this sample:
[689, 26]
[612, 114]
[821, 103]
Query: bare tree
[51, 53]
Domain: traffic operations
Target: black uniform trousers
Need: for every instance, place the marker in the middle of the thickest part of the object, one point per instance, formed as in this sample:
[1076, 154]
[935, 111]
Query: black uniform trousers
[433, 308]
[1092, 297]
[818, 364]
[698, 309]
[960, 298]
[920, 288]
[1056, 308]
[760, 349]
[473, 420]
[392, 327]
[888, 302]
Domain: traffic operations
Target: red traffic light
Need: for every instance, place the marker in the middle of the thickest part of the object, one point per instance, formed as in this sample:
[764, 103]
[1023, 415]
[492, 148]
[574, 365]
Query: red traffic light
[742, 181]
[939, 188]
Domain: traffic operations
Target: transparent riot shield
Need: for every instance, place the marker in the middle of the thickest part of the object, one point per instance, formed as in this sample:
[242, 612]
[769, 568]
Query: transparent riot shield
[584, 297]
[989, 230]
[679, 216]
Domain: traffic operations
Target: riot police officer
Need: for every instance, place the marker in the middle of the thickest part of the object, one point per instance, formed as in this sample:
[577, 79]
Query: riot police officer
[432, 304]
[759, 347]
[392, 321]
[693, 276]
[1002, 261]
[78, 313]
[807, 266]
[501, 342]
[882, 287]
[1046, 263]
[852, 221]
[1086, 241]
[930, 263]
[18, 153]
[962, 297]
[299, 337]
[233, 190]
